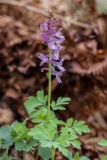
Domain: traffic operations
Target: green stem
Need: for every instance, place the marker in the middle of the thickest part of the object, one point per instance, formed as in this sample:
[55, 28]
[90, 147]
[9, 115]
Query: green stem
[24, 155]
[52, 153]
[49, 85]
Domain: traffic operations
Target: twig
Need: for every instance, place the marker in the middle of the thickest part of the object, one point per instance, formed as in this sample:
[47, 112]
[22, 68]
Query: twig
[40, 11]
[22, 4]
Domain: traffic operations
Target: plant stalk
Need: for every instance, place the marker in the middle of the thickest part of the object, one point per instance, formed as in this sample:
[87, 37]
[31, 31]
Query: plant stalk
[36, 157]
[24, 155]
[49, 85]
[52, 153]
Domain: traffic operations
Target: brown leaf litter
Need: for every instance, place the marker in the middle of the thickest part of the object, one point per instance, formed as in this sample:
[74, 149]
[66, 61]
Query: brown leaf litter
[85, 78]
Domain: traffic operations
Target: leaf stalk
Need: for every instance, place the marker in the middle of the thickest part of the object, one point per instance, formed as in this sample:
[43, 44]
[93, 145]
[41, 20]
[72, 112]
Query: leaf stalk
[24, 155]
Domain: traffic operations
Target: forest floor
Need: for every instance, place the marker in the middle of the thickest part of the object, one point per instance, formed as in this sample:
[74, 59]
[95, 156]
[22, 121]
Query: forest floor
[85, 53]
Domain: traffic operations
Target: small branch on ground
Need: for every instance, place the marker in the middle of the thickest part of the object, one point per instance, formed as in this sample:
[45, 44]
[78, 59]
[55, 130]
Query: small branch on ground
[40, 11]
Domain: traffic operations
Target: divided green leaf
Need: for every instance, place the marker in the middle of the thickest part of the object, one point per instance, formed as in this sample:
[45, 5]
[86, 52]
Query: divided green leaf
[26, 145]
[76, 157]
[60, 101]
[66, 138]
[69, 122]
[33, 102]
[6, 139]
[55, 107]
[43, 134]
[19, 131]
[41, 97]
[39, 115]
[79, 127]
[103, 143]
[69, 155]
[76, 143]
[63, 150]
[44, 153]
[46, 137]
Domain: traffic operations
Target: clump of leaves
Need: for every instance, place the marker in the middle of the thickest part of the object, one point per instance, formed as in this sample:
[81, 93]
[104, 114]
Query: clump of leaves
[45, 137]
[23, 142]
[46, 132]
[76, 157]
[17, 134]
[6, 139]
[4, 156]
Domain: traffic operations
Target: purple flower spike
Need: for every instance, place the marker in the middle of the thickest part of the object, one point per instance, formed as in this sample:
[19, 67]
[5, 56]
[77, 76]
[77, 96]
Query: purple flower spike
[53, 39]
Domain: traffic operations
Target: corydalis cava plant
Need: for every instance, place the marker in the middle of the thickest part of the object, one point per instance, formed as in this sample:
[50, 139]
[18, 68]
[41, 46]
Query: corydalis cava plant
[52, 37]
[45, 137]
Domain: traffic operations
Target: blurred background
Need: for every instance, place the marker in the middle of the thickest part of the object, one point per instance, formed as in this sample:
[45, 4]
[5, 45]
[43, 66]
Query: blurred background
[84, 25]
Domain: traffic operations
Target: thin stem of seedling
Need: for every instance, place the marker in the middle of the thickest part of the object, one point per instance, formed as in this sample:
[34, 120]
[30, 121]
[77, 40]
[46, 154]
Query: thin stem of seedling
[52, 153]
[7, 149]
[36, 157]
[24, 155]
[49, 85]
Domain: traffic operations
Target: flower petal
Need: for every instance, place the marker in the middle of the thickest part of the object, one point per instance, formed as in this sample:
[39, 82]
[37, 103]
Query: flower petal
[58, 79]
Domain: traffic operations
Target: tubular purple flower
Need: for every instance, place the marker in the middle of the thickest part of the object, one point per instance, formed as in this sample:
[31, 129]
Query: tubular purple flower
[57, 74]
[57, 64]
[44, 69]
[58, 35]
[44, 26]
[55, 55]
[44, 58]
